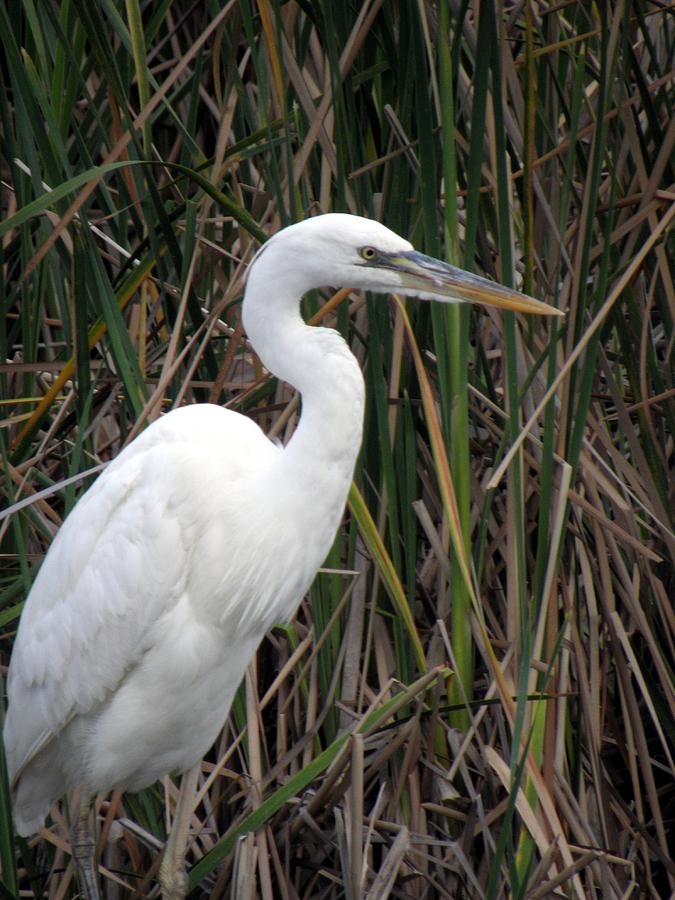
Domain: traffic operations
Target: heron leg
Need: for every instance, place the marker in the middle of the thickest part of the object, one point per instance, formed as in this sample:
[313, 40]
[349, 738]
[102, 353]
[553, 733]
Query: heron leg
[172, 875]
[83, 846]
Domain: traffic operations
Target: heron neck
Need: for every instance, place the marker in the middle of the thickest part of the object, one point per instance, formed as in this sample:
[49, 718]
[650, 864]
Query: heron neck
[318, 363]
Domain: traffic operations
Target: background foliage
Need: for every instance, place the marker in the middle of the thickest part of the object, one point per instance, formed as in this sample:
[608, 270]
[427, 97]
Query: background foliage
[146, 148]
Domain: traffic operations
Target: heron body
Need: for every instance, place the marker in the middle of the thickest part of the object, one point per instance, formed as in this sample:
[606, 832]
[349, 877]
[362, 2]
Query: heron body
[148, 607]
[200, 536]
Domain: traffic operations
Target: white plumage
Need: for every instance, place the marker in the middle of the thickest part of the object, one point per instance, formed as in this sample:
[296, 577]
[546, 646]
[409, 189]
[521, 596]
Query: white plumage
[199, 537]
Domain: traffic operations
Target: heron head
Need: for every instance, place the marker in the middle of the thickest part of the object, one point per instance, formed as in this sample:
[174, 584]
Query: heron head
[341, 250]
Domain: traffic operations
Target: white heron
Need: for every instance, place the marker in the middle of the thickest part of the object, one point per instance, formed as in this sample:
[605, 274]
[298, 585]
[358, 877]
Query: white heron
[197, 538]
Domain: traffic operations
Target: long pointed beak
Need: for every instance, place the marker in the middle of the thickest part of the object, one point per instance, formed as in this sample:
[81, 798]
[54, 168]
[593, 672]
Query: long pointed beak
[432, 279]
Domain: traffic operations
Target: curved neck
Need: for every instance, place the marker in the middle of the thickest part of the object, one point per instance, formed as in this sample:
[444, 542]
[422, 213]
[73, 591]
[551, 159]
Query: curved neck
[317, 362]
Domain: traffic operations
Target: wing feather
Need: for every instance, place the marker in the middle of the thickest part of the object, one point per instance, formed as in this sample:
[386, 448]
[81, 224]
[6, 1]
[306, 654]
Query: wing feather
[119, 562]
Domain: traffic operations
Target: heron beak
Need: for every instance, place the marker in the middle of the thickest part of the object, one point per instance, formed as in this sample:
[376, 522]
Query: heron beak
[430, 278]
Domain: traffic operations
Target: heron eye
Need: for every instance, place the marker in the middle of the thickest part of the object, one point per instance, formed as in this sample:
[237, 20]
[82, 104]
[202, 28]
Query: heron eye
[368, 253]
